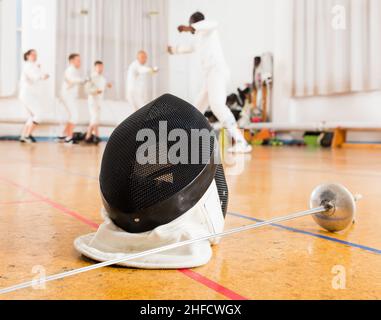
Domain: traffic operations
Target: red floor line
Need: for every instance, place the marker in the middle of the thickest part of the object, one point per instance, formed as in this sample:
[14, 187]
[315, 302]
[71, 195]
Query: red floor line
[212, 285]
[54, 204]
[190, 273]
[18, 202]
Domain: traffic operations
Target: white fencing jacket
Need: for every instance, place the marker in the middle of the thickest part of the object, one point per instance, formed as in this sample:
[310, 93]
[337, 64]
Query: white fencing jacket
[71, 83]
[207, 46]
[30, 77]
[136, 77]
[97, 82]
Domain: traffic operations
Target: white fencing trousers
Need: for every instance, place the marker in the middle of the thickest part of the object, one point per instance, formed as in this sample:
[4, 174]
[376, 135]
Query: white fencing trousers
[31, 104]
[213, 94]
[94, 109]
[70, 103]
[111, 242]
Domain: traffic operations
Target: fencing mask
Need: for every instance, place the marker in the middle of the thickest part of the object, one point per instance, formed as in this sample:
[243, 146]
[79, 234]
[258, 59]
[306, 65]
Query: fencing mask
[161, 182]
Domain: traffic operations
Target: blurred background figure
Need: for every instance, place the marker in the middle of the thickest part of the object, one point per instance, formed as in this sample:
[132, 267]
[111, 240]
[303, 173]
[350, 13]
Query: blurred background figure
[30, 94]
[70, 95]
[136, 90]
[95, 89]
[215, 75]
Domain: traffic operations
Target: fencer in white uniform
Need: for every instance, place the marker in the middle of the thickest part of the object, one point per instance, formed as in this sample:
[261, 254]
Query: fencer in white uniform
[136, 82]
[30, 94]
[215, 75]
[69, 95]
[95, 88]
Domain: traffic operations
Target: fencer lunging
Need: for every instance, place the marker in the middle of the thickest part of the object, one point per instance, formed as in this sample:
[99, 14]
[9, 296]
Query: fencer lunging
[69, 95]
[30, 94]
[215, 74]
[95, 89]
[136, 81]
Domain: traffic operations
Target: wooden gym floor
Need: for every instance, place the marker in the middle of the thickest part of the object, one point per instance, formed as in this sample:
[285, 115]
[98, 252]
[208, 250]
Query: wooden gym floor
[49, 196]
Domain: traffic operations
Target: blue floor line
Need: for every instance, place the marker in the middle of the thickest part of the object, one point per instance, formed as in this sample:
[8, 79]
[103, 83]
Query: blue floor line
[351, 244]
[39, 139]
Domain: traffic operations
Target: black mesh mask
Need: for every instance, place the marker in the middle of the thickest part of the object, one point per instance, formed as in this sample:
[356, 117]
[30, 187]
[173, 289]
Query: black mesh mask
[138, 196]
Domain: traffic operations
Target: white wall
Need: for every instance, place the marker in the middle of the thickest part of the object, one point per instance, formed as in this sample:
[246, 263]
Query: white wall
[357, 107]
